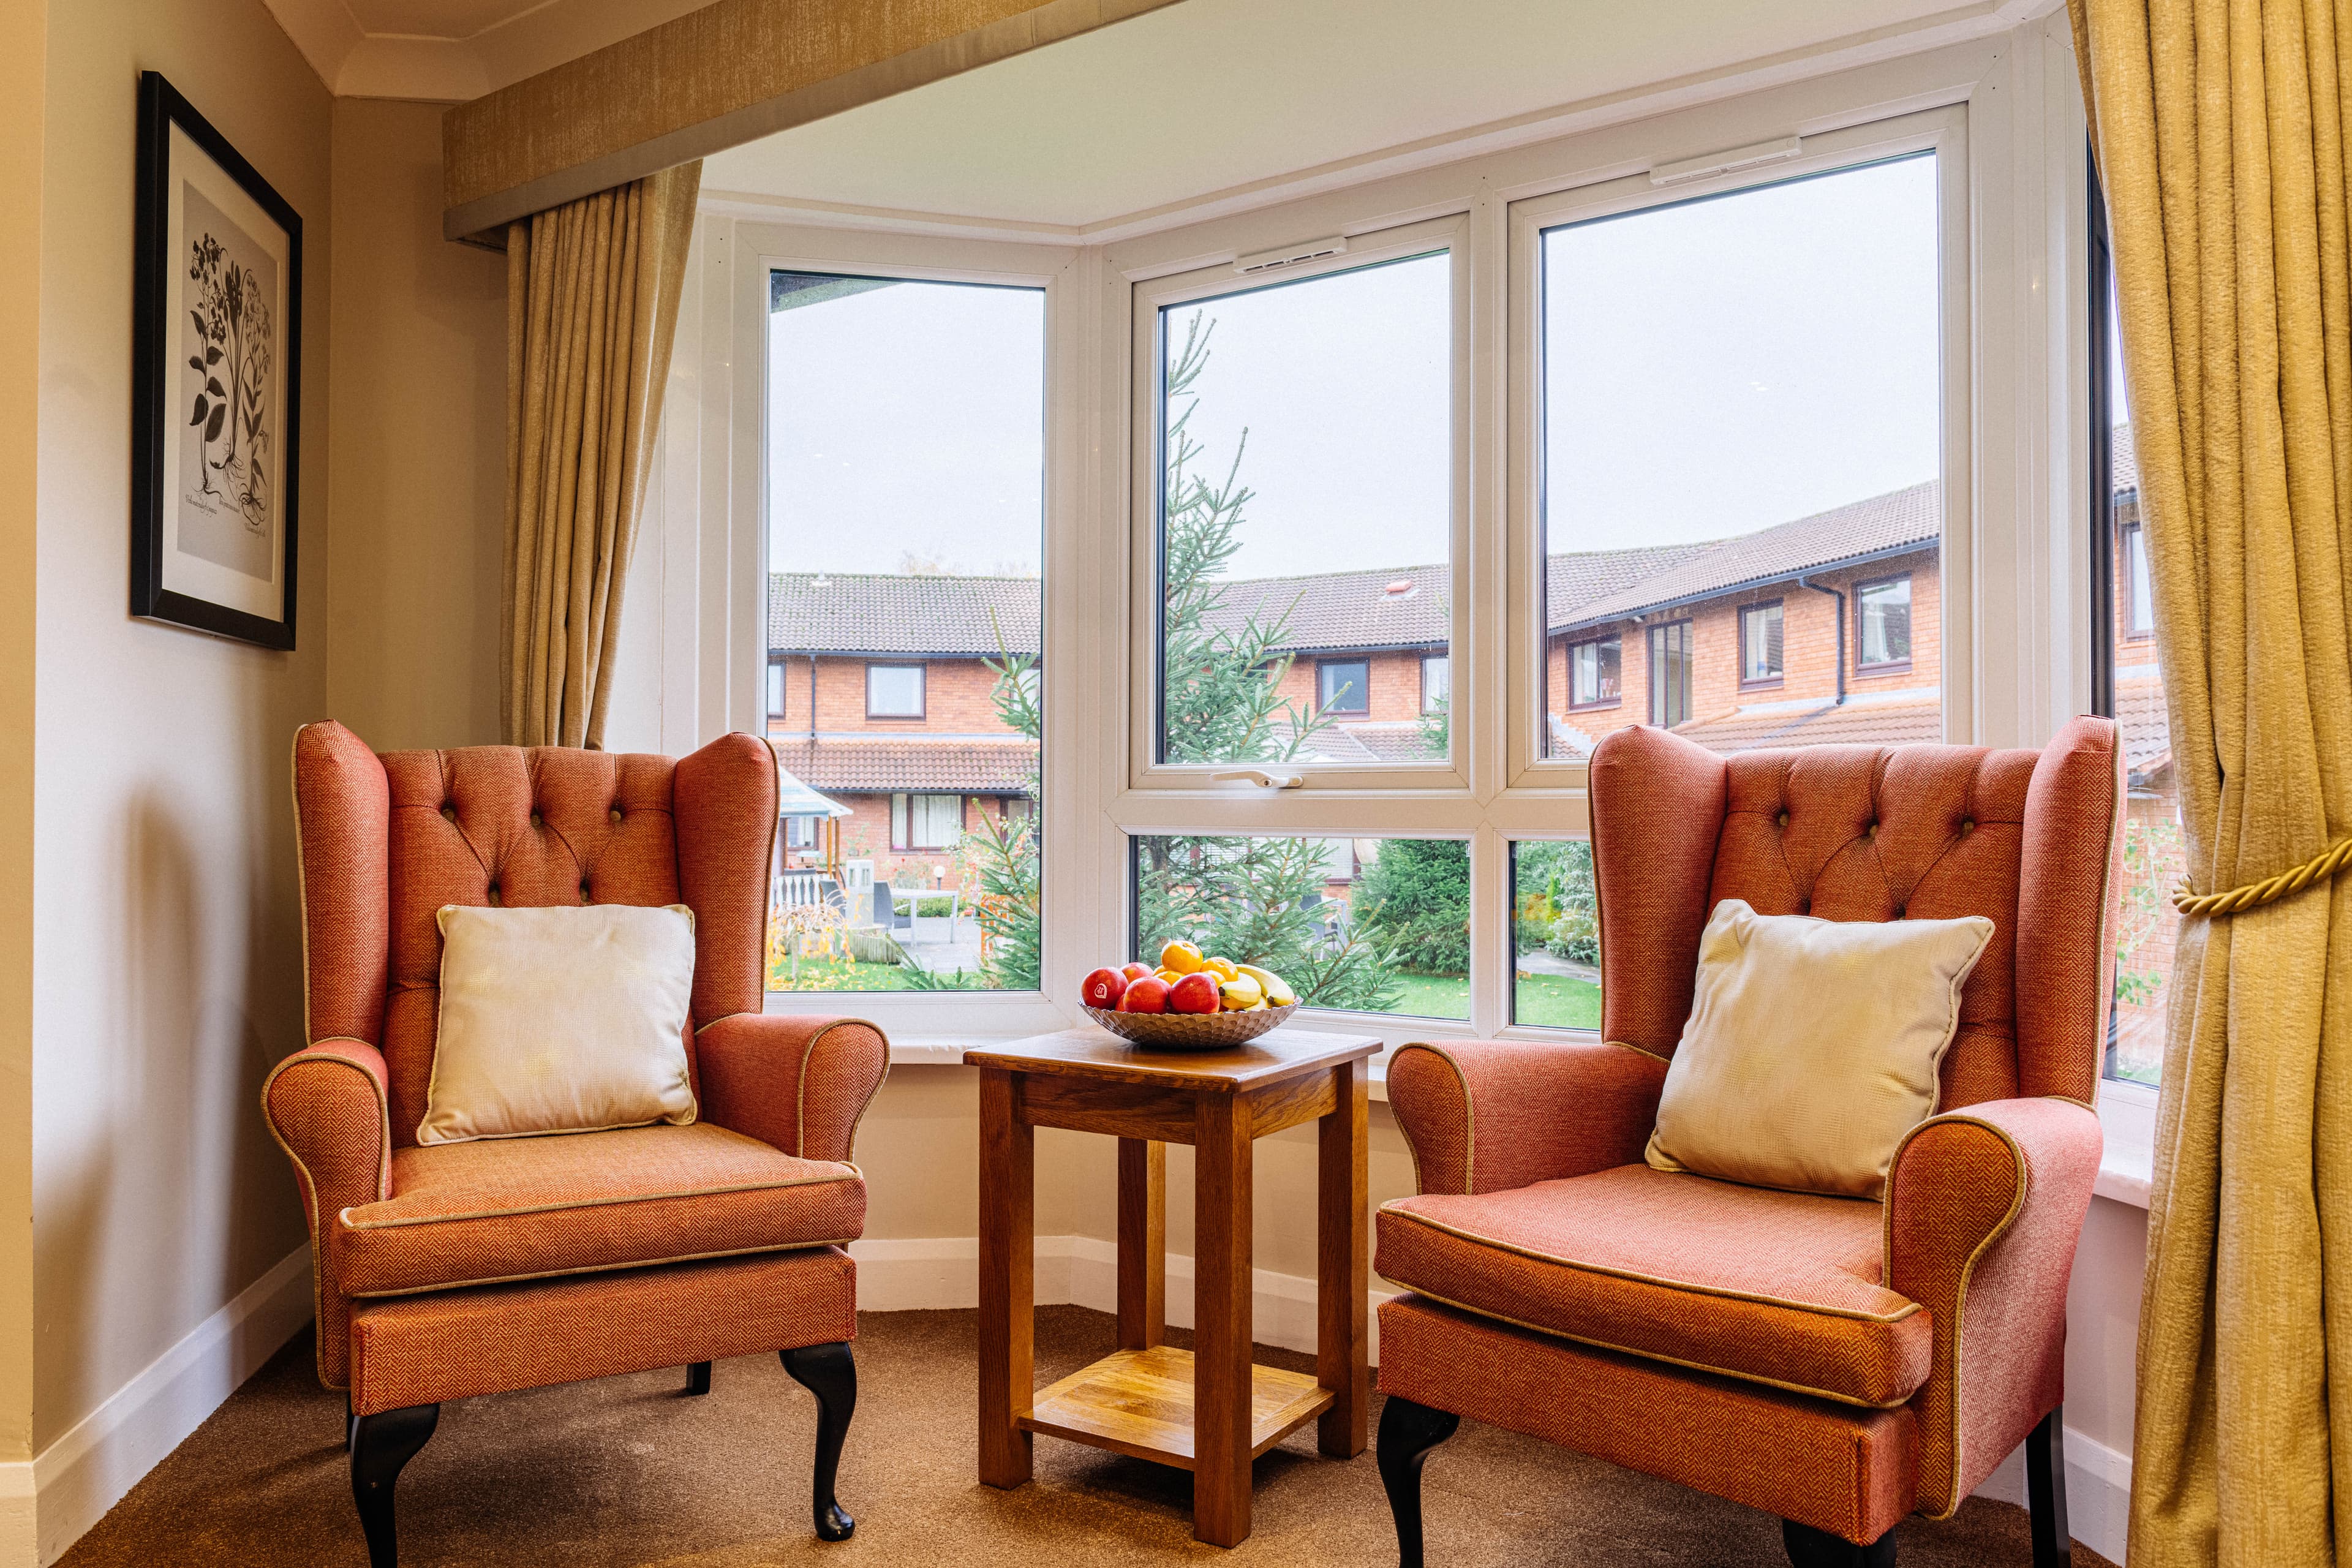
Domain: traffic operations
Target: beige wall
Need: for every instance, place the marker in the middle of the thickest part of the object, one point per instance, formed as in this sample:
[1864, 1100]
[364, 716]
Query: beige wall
[168, 960]
[418, 483]
[21, 144]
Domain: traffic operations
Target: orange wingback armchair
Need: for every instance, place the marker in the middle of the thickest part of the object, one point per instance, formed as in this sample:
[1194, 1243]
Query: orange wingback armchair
[1840, 1363]
[457, 1269]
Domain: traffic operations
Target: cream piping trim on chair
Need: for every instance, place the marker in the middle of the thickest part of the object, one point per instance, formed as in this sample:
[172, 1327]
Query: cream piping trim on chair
[597, 1269]
[846, 1174]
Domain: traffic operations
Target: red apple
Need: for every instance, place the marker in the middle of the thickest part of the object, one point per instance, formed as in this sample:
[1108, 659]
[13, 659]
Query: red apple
[1196, 993]
[1135, 971]
[1103, 988]
[1148, 994]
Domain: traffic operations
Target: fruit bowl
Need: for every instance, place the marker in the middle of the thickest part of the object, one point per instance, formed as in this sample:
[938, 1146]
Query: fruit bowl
[1191, 1031]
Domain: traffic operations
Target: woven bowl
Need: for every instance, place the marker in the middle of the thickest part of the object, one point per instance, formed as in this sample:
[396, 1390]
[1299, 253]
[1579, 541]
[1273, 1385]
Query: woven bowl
[1191, 1031]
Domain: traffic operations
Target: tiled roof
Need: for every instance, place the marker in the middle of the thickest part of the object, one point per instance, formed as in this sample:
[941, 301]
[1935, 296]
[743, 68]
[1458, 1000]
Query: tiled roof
[1896, 722]
[964, 765]
[1905, 518]
[1344, 609]
[2147, 733]
[884, 612]
[1587, 577]
[2122, 461]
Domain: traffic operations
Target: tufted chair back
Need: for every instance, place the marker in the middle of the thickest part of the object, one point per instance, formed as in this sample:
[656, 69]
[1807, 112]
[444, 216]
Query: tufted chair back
[387, 840]
[2032, 840]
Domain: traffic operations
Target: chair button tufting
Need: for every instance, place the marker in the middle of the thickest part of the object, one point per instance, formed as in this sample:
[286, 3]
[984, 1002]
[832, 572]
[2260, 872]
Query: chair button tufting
[1967, 826]
[1899, 911]
[448, 812]
[1872, 831]
[583, 893]
[535, 820]
[1804, 906]
[1784, 819]
[616, 816]
[494, 892]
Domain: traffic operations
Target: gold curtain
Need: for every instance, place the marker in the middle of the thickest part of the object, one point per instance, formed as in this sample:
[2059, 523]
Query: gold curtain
[592, 305]
[2220, 127]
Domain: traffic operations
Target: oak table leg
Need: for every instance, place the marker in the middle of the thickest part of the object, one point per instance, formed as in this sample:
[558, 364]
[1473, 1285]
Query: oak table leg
[1341, 1192]
[1142, 1243]
[1221, 1319]
[1008, 1246]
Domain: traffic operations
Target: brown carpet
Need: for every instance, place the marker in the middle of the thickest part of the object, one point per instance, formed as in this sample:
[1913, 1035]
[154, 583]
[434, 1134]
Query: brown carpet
[626, 1472]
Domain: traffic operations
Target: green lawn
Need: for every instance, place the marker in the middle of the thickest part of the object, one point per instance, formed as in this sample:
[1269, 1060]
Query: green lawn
[837, 974]
[1557, 1001]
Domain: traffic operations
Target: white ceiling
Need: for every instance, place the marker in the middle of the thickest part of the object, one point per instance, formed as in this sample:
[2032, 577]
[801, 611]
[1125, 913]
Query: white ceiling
[1209, 96]
[451, 51]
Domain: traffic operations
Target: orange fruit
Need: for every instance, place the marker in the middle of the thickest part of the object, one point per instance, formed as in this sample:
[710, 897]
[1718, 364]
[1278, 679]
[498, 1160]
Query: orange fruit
[1180, 957]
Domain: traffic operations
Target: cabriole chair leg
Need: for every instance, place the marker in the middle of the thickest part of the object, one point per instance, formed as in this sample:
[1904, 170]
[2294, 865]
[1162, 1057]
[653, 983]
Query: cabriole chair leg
[698, 1377]
[380, 1445]
[1811, 1548]
[2046, 1491]
[830, 1373]
[1408, 1432]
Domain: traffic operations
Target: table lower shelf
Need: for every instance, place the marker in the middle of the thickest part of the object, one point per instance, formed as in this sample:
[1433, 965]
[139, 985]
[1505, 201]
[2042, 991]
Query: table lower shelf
[1139, 1403]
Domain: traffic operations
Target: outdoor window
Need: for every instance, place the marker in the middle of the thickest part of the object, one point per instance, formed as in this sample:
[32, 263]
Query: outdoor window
[2138, 595]
[1735, 393]
[1436, 690]
[1358, 925]
[894, 692]
[1760, 645]
[925, 821]
[904, 450]
[775, 689]
[1594, 673]
[1554, 935]
[1883, 611]
[2128, 686]
[1303, 495]
[799, 832]
[1344, 686]
[1670, 674]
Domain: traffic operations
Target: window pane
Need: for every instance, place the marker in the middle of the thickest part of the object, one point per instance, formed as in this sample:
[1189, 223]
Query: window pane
[1759, 643]
[1596, 666]
[1742, 398]
[1555, 936]
[1885, 611]
[894, 691]
[776, 691]
[1305, 513]
[1368, 925]
[1436, 683]
[2155, 844]
[906, 505]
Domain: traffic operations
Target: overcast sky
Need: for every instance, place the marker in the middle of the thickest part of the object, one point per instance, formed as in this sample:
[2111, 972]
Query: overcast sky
[1710, 369]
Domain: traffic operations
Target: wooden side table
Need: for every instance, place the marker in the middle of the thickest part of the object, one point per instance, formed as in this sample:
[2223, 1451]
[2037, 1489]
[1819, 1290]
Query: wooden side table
[1209, 1410]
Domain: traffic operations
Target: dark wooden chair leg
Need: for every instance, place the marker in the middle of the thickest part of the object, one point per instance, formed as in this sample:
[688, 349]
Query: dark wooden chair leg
[2046, 1491]
[830, 1373]
[1408, 1432]
[380, 1445]
[698, 1378]
[1811, 1548]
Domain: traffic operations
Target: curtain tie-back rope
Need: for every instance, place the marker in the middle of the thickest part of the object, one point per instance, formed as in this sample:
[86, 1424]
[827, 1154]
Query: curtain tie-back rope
[2253, 895]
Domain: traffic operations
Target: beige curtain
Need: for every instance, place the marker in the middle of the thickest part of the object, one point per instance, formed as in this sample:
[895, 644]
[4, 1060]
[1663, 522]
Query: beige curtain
[2220, 127]
[592, 304]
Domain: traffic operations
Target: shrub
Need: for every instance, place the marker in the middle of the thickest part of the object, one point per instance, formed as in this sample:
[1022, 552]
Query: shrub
[1416, 896]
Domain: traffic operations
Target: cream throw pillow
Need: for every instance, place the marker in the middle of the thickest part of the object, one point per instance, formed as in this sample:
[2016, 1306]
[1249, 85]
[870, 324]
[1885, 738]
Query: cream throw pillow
[1811, 1047]
[560, 1020]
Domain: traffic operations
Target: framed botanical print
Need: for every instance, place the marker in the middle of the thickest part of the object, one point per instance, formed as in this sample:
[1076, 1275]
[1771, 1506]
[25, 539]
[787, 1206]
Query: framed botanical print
[217, 375]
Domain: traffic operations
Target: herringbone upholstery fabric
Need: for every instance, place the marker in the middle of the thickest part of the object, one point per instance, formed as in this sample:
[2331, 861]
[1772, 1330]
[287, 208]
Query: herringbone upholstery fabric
[1775, 1287]
[456, 1345]
[385, 842]
[1985, 1203]
[1833, 1467]
[470, 1214]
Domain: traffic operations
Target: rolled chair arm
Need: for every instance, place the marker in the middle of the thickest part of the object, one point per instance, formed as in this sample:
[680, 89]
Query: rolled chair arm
[1984, 1206]
[798, 1084]
[327, 1107]
[1486, 1115]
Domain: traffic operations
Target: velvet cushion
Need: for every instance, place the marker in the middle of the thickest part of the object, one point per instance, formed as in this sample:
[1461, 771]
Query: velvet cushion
[1812, 1047]
[560, 1020]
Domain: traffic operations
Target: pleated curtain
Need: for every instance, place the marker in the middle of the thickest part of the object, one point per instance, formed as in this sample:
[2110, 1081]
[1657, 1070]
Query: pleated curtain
[591, 307]
[2220, 127]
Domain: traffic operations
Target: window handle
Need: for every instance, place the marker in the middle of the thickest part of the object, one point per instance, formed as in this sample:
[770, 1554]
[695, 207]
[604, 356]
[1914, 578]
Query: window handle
[1259, 777]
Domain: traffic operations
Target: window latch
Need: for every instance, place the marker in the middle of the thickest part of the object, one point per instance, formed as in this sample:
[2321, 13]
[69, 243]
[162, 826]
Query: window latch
[1259, 777]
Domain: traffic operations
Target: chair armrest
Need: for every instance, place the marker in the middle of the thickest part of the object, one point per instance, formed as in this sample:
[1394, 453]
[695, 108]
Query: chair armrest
[1485, 1115]
[1983, 1208]
[799, 1084]
[328, 1107]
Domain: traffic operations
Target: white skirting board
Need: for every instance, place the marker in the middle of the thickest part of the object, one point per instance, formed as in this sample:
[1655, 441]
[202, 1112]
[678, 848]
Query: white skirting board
[1082, 1270]
[46, 1503]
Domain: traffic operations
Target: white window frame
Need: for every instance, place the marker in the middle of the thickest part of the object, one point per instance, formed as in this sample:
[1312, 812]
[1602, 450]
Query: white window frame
[922, 682]
[1156, 293]
[2017, 533]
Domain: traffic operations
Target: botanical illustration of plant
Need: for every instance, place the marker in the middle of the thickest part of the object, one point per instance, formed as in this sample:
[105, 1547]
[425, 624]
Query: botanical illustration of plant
[232, 320]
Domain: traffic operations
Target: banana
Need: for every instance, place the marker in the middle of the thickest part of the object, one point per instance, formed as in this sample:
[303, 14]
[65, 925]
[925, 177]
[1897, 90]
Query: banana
[1276, 990]
[1239, 993]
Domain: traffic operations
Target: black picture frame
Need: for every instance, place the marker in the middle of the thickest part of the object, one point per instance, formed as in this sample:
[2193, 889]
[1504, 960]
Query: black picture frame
[264, 465]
